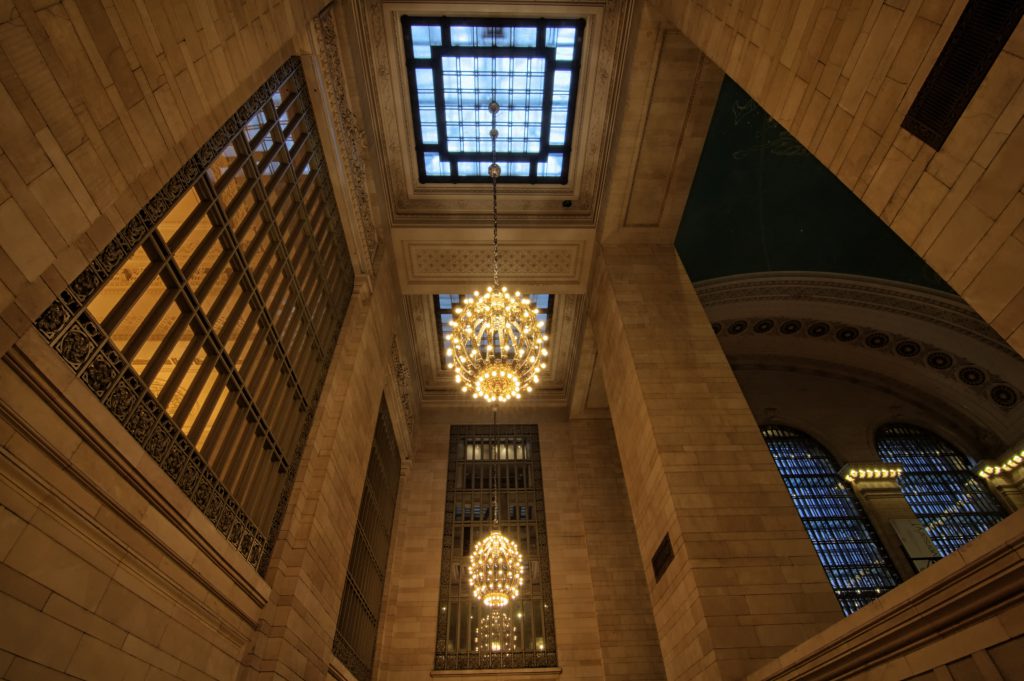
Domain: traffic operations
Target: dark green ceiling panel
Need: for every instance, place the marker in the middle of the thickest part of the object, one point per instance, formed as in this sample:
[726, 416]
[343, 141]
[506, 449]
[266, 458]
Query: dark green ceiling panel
[760, 202]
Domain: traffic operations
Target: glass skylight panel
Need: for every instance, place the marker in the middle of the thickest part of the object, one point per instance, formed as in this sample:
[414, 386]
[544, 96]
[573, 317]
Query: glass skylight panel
[457, 66]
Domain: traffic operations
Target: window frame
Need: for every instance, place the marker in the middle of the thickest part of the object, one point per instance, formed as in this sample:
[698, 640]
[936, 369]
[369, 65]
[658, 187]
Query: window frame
[823, 525]
[912, 481]
[539, 657]
[446, 49]
[247, 510]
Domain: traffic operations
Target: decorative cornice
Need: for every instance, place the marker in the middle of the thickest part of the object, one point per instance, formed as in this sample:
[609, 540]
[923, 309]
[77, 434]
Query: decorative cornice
[864, 292]
[348, 132]
[951, 366]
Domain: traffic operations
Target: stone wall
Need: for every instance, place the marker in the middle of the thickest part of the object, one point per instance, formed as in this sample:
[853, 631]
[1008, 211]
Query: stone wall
[104, 102]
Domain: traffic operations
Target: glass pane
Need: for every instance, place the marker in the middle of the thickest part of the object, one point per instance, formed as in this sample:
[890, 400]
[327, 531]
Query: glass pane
[852, 555]
[953, 505]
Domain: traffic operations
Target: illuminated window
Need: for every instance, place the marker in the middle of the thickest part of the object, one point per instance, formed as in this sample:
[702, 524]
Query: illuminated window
[504, 458]
[456, 67]
[207, 324]
[355, 637]
[953, 505]
[855, 562]
[445, 303]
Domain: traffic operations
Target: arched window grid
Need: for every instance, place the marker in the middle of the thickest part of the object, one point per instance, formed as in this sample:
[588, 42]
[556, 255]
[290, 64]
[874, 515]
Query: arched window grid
[855, 563]
[938, 481]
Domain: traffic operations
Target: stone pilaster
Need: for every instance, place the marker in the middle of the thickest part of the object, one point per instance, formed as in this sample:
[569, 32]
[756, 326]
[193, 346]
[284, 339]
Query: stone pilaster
[745, 583]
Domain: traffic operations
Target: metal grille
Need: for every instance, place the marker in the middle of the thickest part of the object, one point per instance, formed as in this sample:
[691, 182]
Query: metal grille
[976, 41]
[856, 564]
[207, 324]
[355, 637]
[456, 66]
[445, 303]
[507, 457]
[953, 505]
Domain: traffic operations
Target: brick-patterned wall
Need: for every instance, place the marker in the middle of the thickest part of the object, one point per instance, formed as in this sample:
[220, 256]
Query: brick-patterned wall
[107, 570]
[102, 102]
[602, 613]
[745, 584]
[629, 642]
[841, 77]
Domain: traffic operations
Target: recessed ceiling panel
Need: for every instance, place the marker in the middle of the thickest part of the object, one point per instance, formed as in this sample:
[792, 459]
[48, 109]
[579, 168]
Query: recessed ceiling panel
[456, 67]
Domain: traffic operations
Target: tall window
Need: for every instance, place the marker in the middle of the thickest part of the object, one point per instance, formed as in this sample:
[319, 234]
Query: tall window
[505, 459]
[207, 324]
[953, 505]
[355, 637]
[852, 555]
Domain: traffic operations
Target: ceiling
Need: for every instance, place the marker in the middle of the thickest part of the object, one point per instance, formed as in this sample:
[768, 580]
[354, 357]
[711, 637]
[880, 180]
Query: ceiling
[762, 203]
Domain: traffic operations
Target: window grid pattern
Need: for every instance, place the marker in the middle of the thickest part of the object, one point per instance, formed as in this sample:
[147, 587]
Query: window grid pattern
[355, 638]
[507, 458]
[456, 67]
[206, 325]
[855, 563]
[953, 505]
[445, 304]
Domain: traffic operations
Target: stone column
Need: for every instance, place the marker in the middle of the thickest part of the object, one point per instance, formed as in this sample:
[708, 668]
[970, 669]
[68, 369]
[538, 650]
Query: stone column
[745, 583]
[890, 514]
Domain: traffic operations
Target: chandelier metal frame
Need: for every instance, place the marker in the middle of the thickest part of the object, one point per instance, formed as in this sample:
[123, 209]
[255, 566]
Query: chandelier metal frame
[496, 344]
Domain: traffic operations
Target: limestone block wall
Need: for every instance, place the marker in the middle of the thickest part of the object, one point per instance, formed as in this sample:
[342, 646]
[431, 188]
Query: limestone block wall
[841, 78]
[104, 102]
[603, 620]
[745, 584]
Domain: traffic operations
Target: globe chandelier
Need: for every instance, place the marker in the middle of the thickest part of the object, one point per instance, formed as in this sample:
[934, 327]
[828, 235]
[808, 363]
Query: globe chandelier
[496, 344]
[495, 633]
[495, 564]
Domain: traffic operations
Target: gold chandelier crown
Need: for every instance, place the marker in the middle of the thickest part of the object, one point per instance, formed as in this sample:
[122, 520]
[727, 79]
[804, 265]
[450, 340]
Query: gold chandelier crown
[496, 344]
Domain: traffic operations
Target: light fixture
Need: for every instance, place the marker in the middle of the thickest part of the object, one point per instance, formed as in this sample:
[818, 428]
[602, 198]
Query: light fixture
[495, 564]
[1012, 461]
[495, 633]
[496, 342]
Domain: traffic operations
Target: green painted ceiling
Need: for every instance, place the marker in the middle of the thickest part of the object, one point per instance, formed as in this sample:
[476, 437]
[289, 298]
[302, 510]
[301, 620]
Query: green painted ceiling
[760, 202]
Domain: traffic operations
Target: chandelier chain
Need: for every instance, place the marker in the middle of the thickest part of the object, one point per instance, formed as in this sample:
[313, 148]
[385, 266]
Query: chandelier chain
[494, 172]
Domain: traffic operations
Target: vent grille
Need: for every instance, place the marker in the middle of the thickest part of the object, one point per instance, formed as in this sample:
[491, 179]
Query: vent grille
[972, 48]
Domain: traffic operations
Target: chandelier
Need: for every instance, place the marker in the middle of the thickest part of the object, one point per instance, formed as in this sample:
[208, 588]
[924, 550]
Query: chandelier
[495, 564]
[496, 344]
[495, 633]
[495, 570]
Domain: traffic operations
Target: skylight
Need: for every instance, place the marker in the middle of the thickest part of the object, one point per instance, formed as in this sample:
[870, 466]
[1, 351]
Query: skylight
[456, 66]
[446, 302]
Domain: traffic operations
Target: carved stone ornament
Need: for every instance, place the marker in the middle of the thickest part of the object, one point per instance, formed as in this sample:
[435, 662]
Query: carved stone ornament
[348, 132]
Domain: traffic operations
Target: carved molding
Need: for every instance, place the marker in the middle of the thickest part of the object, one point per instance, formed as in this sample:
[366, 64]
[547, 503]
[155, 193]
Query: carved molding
[401, 372]
[949, 365]
[441, 261]
[906, 300]
[348, 131]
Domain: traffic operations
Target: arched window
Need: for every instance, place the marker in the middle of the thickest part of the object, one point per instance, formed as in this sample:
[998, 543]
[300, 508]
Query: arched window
[952, 504]
[853, 557]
